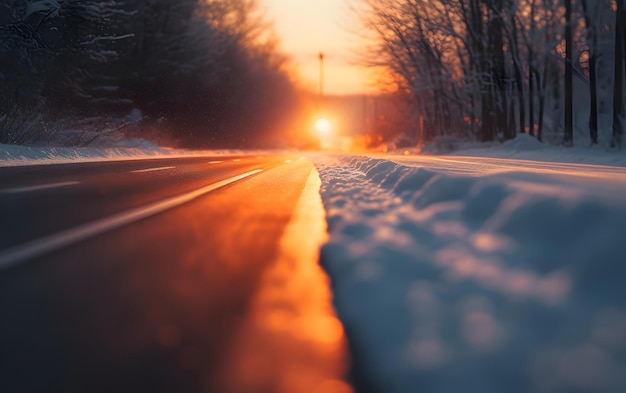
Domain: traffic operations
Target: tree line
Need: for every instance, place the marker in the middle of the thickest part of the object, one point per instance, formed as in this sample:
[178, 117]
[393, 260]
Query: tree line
[205, 72]
[494, 68]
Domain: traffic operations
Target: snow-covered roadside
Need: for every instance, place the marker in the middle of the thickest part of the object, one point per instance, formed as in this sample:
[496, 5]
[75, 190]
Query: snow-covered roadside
[11, 155]
[475, 284]
[523, 147]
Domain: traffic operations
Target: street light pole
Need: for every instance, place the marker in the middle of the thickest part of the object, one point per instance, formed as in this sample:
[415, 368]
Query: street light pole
[321, 92]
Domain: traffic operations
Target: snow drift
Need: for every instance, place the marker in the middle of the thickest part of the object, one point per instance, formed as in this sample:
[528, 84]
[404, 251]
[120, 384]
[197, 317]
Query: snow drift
[501, 283]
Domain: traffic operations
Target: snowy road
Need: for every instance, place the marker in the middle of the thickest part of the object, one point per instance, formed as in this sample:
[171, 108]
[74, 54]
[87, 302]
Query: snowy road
[165, 276]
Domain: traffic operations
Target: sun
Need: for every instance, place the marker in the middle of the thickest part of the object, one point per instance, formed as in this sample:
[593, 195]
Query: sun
[323, 127]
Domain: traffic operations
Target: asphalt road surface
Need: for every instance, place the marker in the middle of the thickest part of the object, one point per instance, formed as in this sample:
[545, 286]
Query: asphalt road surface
[166, 275]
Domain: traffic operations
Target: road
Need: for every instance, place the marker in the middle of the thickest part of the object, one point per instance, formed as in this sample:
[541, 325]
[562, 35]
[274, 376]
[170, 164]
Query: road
[166, 275]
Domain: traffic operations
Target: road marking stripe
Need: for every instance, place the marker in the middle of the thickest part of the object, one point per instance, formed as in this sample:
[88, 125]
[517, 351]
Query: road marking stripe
[19, 190]
[164, 168]
[22, 253]
[215, 162]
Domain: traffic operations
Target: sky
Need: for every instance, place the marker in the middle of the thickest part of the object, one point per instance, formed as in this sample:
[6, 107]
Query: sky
[308, 27]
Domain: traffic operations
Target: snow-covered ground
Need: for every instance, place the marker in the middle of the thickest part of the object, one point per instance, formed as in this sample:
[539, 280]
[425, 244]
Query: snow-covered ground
[495, 277]
[524, 147]
[134, 149]
[464, 272]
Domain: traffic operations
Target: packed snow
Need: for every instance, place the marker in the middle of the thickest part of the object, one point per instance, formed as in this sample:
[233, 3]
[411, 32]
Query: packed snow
[505, 282]
[464, 273]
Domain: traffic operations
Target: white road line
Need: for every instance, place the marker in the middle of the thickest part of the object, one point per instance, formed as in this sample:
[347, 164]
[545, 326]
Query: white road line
[22, 253]
[40, 187]
[215, 162]
[164, 168]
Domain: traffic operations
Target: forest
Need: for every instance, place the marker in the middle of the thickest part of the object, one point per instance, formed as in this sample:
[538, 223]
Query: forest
[190, 73]
[491, 69]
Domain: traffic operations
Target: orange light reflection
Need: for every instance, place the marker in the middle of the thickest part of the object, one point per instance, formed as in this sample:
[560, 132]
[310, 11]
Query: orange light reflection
[292, 341]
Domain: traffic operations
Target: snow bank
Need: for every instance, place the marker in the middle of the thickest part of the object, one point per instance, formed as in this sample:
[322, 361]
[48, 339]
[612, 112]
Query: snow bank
[451, 144]
[475, 284]
[12, 155]
[525, 147]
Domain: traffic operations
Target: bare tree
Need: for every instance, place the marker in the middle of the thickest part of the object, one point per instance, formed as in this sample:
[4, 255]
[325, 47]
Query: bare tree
[502, 66]
[482, 60]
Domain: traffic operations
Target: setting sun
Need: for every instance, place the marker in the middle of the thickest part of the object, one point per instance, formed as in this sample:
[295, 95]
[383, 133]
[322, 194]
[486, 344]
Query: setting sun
[323, 127]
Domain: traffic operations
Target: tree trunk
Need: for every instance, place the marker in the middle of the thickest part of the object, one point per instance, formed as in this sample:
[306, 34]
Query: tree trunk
[531, 95]
[480, 43]
[569, 99]
[531, 61]
[519, 80]
[593, 79]
[618, 82]
[499, 74]
[542, 99]
[593, 90]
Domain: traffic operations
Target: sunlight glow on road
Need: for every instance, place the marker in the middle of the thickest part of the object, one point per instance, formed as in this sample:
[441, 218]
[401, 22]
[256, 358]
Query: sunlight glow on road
[292, 336]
